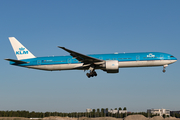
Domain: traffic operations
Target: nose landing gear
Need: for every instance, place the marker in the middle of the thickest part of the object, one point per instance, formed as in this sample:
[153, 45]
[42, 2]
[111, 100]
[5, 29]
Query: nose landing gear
[164, 67]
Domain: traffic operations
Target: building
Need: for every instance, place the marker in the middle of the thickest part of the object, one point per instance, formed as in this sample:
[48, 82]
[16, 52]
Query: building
[159, 112]
[88, 110]
[117, 111]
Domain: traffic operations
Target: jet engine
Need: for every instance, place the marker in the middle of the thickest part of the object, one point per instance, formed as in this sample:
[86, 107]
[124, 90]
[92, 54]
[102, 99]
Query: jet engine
[111, 66]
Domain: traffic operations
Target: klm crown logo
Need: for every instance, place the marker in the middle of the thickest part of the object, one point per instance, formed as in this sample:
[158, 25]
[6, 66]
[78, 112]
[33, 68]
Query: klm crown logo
[150, 55]
[21, 51]
[21, 48]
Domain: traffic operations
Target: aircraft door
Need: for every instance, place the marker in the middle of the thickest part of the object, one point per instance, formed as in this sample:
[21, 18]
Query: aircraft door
[137, 58]
[69, 60]
[100, 58]
[162, 57]
[38, 62]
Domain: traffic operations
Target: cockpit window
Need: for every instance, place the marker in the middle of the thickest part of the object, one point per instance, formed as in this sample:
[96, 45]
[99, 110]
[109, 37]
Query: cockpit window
[171, 56]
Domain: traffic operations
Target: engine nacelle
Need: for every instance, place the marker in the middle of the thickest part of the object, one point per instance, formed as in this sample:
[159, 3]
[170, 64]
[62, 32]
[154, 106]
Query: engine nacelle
[111, 66]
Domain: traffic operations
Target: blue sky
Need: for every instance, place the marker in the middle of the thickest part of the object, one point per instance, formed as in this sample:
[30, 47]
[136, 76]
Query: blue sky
[89, 27]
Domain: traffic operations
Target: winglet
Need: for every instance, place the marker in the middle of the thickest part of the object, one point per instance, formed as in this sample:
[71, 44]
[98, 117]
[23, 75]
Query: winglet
[61, 47]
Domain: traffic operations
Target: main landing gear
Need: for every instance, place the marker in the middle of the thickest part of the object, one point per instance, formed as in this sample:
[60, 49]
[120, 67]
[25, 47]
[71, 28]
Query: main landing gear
[164, 67]
[92, 71]
[91, 74]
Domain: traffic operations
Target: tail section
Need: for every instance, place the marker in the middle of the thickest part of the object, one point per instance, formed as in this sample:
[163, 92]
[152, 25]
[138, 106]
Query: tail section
[20, 51]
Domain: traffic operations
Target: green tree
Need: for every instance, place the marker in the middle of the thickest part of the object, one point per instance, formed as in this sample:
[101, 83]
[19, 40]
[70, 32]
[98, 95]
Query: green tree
[124, 108]
[107, 113]
[98, 111]
[93, 113]
[47, 114]
[102, 112]
[177, 115]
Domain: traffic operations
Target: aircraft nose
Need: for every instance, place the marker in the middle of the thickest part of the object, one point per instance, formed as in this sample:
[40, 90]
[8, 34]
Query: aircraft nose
[174, 59]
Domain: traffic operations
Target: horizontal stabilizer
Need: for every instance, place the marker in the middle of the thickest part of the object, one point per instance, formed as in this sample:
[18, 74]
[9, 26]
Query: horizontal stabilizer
[16, 61]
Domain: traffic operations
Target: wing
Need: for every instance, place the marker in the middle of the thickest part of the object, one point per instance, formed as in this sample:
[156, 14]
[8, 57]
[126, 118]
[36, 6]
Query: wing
[83, 58]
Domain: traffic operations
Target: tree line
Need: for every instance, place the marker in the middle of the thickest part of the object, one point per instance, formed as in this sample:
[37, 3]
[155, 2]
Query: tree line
[34, 114]
[94, 113]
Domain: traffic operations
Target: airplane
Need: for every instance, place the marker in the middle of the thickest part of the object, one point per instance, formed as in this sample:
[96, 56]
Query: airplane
[109, 63]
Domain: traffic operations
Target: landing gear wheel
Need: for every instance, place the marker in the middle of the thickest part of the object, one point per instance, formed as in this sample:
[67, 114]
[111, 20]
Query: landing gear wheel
[94, 73]
[164, 71]
[91, 74]
[88, 75]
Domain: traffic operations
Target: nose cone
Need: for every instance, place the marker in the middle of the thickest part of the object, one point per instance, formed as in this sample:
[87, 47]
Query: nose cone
[173, 59]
